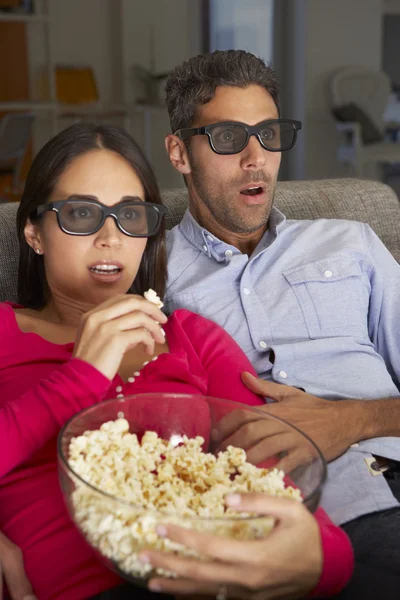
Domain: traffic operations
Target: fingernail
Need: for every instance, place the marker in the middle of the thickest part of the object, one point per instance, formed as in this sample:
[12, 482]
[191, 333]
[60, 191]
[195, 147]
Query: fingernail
[144, 558]
[154, 586]
[161, 530]
[162, 331]
[233, 499]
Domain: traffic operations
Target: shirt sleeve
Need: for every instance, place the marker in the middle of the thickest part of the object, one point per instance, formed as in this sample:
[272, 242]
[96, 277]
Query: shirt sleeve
[384, 309]
[222, 359]
[224, 362]
[338, 559]
[31, 420]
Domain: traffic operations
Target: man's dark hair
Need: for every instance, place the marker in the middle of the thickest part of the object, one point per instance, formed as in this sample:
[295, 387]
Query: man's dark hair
[49, 164]
[193, 83]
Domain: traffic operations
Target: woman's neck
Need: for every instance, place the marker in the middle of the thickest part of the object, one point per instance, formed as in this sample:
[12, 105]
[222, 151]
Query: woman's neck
[64, 311]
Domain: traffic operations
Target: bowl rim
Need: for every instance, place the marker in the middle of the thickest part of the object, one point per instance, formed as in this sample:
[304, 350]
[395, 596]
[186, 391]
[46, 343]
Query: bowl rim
[162, 513]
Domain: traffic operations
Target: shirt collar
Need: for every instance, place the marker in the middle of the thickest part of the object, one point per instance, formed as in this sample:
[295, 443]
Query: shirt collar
[212, 247]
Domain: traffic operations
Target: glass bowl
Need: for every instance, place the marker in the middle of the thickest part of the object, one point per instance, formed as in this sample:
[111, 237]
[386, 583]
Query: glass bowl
[117, 526]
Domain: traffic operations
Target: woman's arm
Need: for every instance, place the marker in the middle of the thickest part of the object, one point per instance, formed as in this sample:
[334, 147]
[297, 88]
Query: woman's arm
[224, 363]
[32, 419]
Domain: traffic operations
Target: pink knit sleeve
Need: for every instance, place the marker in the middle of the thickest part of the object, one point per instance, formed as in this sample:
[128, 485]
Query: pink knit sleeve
[221, 357]
[32, 419]
[338, 558]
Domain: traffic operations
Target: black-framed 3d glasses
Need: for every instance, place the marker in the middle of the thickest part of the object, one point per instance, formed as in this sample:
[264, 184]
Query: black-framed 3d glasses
[231, 137]
[79, 216]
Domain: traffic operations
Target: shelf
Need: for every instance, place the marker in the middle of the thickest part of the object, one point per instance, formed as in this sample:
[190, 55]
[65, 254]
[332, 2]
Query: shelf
[33, 106]
[11, 17]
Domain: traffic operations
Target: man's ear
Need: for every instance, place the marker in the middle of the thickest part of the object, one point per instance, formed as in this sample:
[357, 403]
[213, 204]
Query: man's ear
[178, 154]
[33, 237]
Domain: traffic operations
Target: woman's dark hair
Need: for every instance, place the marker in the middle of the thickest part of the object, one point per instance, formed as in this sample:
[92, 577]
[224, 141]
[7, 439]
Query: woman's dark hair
[49, 164]
[193, 83]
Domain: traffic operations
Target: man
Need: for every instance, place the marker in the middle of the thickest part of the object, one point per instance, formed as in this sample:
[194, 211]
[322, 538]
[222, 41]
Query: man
[314, 305]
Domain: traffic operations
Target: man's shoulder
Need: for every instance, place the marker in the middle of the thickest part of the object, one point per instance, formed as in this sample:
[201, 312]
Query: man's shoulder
[339, 233]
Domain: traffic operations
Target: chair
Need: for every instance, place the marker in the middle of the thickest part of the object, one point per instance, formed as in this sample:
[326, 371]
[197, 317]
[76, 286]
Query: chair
[15, 133]
[359, 99]
[368, 201]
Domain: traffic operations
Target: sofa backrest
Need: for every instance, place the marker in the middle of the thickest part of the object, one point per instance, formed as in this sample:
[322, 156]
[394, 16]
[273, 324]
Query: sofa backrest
[367, 201]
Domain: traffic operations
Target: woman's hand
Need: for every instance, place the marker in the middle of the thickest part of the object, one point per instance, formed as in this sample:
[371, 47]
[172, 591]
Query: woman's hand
[12, 569]
[107, 332]
[286, 564]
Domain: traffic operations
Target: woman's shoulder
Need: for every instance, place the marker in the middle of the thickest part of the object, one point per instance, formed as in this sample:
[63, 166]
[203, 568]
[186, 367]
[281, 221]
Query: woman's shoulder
[8, 320]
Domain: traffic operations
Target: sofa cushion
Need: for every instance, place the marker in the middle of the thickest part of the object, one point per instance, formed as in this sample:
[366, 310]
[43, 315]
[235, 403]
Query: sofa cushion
[368, 201]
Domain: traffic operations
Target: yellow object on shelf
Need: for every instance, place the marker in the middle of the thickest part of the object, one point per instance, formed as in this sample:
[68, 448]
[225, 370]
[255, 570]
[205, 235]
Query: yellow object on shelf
[76, 85]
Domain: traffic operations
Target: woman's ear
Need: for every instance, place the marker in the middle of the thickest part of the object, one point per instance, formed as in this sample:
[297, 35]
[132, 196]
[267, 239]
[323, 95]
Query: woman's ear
[33, 237]
[178, 154]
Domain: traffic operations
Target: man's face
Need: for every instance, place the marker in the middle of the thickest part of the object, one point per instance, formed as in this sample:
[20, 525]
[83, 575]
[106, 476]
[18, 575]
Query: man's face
[219, 185]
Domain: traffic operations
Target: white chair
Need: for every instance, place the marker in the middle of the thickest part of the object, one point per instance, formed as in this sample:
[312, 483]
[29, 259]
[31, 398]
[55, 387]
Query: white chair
[364, 93]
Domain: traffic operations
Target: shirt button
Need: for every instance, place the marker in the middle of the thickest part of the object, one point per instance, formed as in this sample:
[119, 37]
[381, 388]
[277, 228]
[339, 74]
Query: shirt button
[283, 374]
[247, 292]
[205, 248]
[262, 344]
[211, 239]
[328, 273]
[228, 252]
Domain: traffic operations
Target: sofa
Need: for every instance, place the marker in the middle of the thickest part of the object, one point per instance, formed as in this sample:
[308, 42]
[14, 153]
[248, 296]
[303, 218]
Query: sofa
[368, 201]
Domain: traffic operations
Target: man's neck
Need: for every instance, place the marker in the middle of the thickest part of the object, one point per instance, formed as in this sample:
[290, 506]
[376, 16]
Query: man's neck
[245, 242]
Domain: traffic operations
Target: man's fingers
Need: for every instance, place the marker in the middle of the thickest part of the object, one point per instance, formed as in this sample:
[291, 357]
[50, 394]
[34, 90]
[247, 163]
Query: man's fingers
[270, 389]
[270, 449]
[232, 422]
[254, 432]
[298, 457]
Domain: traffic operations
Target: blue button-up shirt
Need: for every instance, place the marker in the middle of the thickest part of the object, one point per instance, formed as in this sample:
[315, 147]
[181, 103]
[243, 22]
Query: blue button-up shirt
[324, 295]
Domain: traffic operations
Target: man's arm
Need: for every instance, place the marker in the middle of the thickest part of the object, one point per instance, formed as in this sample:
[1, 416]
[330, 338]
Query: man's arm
[334, 425]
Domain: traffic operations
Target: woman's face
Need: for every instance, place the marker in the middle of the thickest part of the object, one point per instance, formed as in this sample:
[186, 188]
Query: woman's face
[70, 260]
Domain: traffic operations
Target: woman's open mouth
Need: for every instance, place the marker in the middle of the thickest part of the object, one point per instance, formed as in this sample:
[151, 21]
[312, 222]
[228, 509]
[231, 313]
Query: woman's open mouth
[106, 271]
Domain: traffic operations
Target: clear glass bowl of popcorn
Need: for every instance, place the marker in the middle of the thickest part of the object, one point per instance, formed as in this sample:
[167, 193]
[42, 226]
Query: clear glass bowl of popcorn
[129, 464]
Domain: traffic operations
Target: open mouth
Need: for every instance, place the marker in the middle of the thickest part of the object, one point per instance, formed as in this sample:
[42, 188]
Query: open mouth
[105, 269]
[252, 191]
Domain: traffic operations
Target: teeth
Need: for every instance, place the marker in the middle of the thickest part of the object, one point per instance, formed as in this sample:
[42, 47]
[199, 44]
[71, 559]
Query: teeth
[105, 268]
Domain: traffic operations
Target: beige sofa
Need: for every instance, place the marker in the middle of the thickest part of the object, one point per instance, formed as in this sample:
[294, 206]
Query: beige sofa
[354, 199]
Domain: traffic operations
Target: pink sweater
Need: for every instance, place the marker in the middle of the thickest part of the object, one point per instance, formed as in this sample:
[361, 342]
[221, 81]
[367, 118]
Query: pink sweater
[42, 386]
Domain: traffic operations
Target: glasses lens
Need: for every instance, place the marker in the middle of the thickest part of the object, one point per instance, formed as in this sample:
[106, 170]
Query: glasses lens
[80, 216]
[139, 219]
[277, 136]
[229, 139]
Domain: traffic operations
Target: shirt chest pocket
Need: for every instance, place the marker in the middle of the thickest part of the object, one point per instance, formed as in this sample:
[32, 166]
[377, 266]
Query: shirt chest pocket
[330, 295]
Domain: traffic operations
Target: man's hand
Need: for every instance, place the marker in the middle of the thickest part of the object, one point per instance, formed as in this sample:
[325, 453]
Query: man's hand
[274, 567]
[12, 569]
[332, 425]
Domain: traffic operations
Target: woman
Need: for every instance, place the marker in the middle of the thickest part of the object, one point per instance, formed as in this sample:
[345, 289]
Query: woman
[91, 234]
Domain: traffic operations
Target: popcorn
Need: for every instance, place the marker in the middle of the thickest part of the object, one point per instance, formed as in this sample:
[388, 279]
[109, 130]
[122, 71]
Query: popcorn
[153, 297]
[157, 480]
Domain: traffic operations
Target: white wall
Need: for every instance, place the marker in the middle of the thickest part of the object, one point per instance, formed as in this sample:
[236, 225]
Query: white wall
[339, 33]
[320, 36]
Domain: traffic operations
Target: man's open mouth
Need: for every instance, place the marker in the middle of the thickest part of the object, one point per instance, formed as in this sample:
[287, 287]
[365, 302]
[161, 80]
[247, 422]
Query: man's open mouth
[253, 190]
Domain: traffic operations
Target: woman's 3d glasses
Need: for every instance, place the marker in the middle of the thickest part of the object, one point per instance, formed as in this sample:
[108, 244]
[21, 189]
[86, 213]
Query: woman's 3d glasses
[231, 137]
[78, 216]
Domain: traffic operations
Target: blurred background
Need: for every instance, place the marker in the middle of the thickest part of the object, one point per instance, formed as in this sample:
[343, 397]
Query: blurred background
[107, 60]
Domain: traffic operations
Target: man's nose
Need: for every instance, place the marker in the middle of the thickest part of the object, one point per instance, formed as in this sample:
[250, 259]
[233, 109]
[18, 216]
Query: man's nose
[253, 155]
